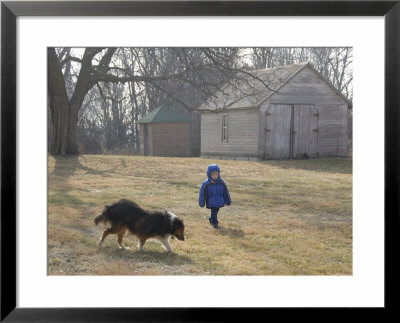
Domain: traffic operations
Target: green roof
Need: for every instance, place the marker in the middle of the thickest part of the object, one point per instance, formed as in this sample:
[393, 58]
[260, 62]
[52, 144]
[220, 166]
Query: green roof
[163, 114]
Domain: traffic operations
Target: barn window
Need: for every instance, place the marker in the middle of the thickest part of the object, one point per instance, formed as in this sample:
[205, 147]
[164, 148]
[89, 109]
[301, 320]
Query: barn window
[225, 128]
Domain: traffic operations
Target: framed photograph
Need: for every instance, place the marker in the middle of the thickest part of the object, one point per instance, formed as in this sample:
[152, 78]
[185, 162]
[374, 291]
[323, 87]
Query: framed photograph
[41, 280]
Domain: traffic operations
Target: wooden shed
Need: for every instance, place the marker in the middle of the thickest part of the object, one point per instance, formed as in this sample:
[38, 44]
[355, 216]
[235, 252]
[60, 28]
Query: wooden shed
[278, 113]
[164, 132]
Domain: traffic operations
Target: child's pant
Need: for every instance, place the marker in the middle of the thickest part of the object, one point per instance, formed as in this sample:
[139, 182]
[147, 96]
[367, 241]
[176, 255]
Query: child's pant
[213, 219]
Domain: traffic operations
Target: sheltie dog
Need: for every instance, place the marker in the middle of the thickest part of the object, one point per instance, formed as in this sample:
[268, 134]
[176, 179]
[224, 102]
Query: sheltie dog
[126, 215]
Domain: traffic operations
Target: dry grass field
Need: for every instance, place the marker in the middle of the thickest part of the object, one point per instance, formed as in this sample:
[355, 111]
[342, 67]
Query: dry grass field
[287, 217]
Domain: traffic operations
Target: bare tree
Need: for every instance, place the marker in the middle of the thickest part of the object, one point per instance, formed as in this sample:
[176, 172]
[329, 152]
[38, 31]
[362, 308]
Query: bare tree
[103, 92]
[64, 110]
[333, 63]
[263, 57]
[157, 71]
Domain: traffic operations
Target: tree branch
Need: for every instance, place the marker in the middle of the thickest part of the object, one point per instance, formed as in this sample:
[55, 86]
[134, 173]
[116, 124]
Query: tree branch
[69, 59]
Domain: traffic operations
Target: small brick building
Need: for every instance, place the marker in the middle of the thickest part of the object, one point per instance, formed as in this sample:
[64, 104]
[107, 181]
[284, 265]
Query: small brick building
[164, 132]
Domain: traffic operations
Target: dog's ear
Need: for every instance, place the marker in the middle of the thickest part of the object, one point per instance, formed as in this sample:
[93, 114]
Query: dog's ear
[178, 223]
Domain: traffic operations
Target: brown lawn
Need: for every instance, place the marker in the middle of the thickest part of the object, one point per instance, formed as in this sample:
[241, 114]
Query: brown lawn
[287, 218]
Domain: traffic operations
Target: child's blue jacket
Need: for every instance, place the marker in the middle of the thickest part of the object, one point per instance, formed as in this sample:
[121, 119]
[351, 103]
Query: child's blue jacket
[214, 193]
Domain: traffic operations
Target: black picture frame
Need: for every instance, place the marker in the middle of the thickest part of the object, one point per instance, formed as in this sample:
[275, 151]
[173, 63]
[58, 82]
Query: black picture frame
[9, 13]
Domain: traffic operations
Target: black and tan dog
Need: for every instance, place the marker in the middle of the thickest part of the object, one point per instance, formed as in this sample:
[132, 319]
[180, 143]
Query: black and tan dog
[126, 215]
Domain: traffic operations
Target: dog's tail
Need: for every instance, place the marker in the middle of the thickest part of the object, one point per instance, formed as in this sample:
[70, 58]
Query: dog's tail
[101, 217]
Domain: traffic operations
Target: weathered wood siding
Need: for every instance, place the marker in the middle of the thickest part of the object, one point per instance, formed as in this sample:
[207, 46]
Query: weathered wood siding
[308, 88]
[291, 131]
[277, 131]
[242, 134]
[305, 131]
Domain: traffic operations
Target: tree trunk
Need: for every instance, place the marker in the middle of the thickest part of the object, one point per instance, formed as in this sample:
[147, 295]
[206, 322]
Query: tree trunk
[72, 143]
[115, 124]
[64, 112]
[135, 110]
[59, 108]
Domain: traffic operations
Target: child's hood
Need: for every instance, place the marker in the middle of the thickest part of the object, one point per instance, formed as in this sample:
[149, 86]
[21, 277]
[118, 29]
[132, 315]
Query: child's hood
[213, 168]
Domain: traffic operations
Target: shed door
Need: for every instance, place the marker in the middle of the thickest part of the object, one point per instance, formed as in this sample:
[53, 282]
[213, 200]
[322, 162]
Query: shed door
[291, 131]
[305, 131]
[277, 131]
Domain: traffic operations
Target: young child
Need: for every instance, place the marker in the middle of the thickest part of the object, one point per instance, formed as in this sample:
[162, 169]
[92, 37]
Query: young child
[214, 193]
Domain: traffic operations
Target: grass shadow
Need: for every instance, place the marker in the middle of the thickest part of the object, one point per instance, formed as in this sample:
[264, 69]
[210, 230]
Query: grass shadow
[66, 166]
[65, 198]
[150, 256]
[234, 233]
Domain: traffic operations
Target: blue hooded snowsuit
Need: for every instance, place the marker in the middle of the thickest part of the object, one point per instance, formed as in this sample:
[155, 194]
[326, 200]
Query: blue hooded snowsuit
[214, 194]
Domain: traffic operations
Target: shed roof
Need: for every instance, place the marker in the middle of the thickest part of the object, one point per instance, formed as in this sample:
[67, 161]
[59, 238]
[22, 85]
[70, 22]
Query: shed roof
[164, 114]
[252, 89]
